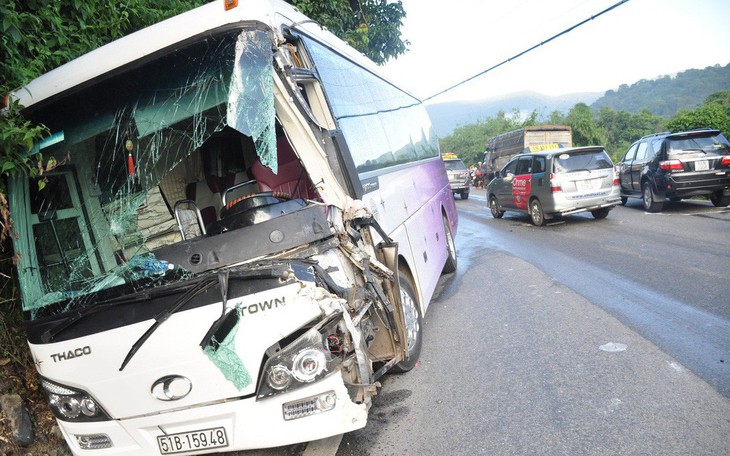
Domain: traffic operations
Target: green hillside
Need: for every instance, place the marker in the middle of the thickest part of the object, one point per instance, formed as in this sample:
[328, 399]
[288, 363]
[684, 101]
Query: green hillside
[666, 95]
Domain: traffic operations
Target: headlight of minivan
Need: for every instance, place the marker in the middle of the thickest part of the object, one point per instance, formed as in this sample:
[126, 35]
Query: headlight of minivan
[306, 360]
[70, 404]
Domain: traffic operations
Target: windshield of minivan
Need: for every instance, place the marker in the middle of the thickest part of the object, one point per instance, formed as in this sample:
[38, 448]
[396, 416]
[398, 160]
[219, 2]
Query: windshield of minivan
[581, 161]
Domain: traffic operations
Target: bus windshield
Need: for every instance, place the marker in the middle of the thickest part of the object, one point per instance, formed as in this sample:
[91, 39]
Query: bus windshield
[126, 148]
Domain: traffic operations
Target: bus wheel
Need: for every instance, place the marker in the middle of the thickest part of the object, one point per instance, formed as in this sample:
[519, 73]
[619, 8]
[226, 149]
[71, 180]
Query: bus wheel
[451, 263]
[413, 322]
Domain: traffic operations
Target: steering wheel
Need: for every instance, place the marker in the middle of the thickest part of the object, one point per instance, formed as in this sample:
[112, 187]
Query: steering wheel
[253, 201]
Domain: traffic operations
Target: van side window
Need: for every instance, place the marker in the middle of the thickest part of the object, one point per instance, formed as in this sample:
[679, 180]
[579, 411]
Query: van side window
[538, 165]
[524, 166]
[509, 168]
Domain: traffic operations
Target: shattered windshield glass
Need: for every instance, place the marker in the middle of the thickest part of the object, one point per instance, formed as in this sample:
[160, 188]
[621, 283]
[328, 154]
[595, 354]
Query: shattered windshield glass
[180, 127]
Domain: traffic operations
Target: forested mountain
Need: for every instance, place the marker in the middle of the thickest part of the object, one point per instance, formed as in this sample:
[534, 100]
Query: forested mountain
[449, 115]
[668, 94]
[661, 97]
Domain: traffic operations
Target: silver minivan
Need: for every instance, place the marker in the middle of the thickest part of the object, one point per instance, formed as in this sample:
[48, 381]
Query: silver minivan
[459, 177]
[557, 182]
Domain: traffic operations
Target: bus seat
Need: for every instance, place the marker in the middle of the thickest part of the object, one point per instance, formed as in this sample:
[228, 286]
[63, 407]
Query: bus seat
[289, 173]
[207, 195]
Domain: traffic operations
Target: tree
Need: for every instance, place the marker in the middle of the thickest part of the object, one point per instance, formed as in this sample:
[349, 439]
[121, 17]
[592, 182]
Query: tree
[469, 141]
[665, 95]
[63, 30]
[556, 118]
[586, 131]
[721, 98]
[623, 128]
[370, 26]
[706, 116]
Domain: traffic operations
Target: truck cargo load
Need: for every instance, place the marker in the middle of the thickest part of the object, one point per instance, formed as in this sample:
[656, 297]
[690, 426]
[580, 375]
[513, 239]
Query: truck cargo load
[500, 149]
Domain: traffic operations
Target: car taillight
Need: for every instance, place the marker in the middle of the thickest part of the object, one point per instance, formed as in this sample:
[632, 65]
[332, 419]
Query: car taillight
[671, 165]
[555, 185]
[725, 161]
[616, 180]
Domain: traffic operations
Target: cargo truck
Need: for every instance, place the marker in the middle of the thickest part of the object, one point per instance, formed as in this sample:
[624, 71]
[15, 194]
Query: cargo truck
[500, 149]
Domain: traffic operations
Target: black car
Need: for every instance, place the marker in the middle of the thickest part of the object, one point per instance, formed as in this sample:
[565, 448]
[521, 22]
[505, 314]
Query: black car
[677, 166]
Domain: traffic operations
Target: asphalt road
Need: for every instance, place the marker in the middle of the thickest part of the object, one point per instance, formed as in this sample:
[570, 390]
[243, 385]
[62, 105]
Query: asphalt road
[663, 274]
[583, 337]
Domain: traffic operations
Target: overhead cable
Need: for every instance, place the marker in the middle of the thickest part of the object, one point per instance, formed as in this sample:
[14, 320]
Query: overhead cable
[570, 29]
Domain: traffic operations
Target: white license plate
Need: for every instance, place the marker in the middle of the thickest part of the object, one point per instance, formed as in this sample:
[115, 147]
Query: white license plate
[702, 165]
[586, 185]
[193, 440]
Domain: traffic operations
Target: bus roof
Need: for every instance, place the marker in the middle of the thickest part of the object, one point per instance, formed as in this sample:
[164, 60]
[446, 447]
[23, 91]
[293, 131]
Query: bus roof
[166, 34]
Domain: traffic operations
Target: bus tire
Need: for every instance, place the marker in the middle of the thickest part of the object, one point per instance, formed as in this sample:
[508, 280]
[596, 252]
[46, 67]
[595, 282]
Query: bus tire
[414, 322]
[451, 262]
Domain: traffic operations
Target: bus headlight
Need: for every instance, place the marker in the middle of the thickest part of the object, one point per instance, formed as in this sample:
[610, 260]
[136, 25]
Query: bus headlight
[306, 360]
[279, 377]
[308, 364]
[69, 404]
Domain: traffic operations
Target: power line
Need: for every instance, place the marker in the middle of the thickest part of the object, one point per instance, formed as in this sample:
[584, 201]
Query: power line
[570, 29]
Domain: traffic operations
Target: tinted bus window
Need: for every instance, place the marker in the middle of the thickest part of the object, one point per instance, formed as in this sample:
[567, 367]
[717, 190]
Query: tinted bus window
[383, 126]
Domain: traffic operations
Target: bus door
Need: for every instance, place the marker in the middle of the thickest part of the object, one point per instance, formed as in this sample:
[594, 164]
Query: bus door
[63, 243]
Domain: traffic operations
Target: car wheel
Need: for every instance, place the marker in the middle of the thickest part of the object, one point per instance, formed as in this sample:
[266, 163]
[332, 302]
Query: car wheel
[600, 213]
[450, 265]
[719, 200]
[412, 314]
[494, 207]
[623, 200]
[650, 203]
[536, 213]
[465, 194]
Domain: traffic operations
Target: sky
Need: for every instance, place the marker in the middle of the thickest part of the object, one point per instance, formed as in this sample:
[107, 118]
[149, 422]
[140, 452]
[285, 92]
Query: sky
[452, 40]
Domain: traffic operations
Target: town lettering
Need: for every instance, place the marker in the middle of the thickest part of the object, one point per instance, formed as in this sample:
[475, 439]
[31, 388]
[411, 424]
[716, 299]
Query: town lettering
[71, 354]
[262, 306]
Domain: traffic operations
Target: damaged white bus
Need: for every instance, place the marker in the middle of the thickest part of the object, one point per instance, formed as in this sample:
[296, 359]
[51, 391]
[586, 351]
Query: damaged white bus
[242, 232]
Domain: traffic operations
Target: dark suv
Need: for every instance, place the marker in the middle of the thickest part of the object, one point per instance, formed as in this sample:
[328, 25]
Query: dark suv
[676, 166]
